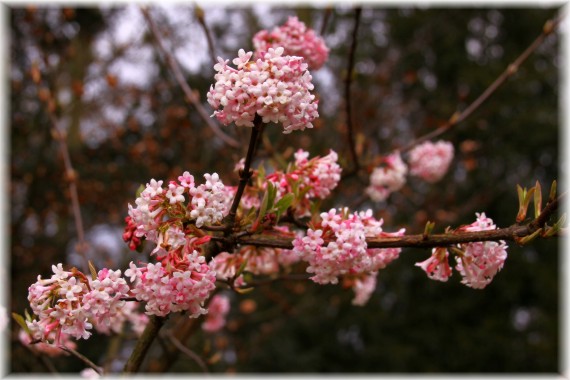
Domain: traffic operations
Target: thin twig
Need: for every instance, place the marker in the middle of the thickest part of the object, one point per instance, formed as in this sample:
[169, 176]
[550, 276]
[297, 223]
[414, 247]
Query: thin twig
[84, 359]
[70, 177]
[190, 96]
[186, 351]
[347, 97]
[199, 12]
[511, 69]
[326, 18]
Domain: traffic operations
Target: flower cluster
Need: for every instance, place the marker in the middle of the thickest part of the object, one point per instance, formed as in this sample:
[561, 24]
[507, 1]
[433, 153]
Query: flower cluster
[336, 246]
[218, 308]
[275, 86]
[181, 281]
[315, 178]
[71, 303]
[296, 39]
[208, 203]
[477, 262]
[386, 179]
[430, 161]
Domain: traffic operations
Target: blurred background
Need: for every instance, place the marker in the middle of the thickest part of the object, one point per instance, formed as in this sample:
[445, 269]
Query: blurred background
[127, 121]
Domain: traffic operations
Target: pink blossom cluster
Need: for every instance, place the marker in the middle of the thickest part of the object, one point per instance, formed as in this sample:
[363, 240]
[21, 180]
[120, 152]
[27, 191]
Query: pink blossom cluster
[296, 39]
[477, 262]
[208, 204]
[218, 309]
[181, 281]
[71, 303]
[274, 86]
[336, 246]
[315, 178]
[388, 178]
[430, 161]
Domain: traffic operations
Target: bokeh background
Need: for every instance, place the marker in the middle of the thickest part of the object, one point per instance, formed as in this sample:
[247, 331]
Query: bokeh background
[127, 122]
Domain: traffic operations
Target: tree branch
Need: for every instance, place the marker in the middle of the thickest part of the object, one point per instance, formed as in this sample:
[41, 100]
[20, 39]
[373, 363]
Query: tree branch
[511, 69]
[245, 174]
[83, 358]
[143, 344]
[190, 96]
[347, 97]
[512, 233]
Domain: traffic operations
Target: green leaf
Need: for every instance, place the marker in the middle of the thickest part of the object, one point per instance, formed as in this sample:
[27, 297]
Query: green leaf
[140, 190]
[92, 270]
[21, 321]
[537, 200]
[284, 203]
[552, 196]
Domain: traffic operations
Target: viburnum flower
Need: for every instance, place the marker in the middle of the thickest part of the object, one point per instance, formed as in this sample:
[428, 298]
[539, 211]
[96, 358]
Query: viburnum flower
[218, 308]
[32, 340]
[296, 39]
[482, 260]
[160, 212]
[315, 178]
[181, 281]
[363, 288]
[430, 161]
[274, 86]
[388, 178]
[477, 262]
[437, 265]
[70, 302]
[346, 252]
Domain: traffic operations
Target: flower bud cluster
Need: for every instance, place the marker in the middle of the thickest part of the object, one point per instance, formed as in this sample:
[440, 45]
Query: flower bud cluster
[296, 39]
[477, 262]
[388, 178]
[72, 303]
[274, 86]
[430, 161]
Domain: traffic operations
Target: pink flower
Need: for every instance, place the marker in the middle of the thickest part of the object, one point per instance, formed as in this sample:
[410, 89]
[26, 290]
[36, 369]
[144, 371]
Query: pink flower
[180, 283]
[477, 262]
[296, 39]
[45, 347]
[274, 86]
[430, 161]
[315, 178]
[388, 178]
[217, 310]
[70, 303]
[363, 288]
[480, 261]
[437, 265]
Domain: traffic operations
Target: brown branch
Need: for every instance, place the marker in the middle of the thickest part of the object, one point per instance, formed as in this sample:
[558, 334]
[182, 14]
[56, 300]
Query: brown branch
[190, 96]
[245, 174]
[199, 12]
[326, 18]
[511, 69]
[512, 233]
[347, 97]
[83, 358]
[186, 351]
[143, 344]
